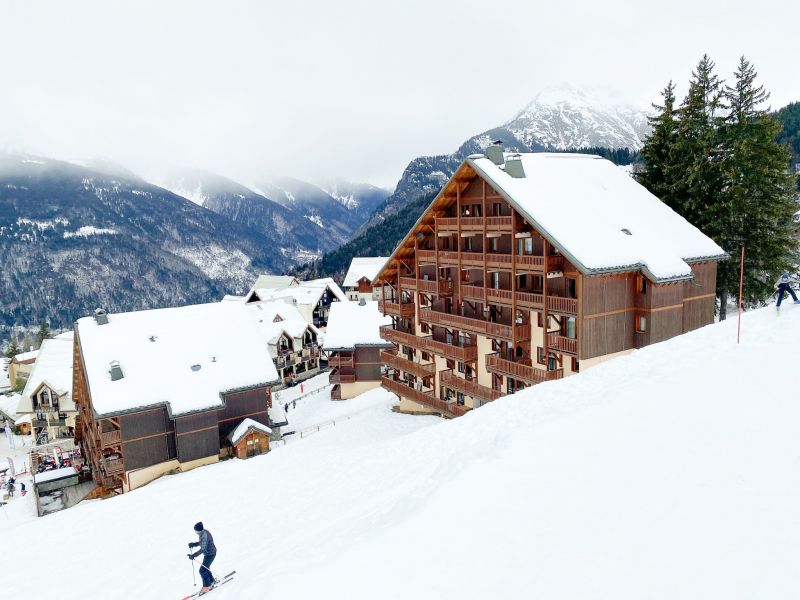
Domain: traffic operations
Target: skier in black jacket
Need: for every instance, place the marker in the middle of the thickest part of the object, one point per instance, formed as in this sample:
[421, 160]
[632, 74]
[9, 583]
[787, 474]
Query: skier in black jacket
[209, 552]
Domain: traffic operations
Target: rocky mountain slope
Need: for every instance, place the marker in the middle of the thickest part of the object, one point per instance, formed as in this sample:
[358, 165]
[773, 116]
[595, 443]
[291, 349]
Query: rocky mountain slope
[557, 119]
[74, 238]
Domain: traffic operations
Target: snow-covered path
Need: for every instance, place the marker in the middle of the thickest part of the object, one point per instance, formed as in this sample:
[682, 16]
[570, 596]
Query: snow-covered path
[669, 473]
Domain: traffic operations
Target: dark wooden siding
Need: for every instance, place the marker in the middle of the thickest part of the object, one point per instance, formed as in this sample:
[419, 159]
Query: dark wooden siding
[698, 313]
[607, 322]
[199, 444]
[240, 405]
[367, 363]
[146, 452]
[144, 423]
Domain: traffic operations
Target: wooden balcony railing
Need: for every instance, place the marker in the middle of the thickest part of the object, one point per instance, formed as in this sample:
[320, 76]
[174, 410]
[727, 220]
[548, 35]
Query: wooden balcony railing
[472, 292]
[109, 438]
[523, 332]
[460, 353]
[405, 310]
[474, 223]
[400, 362]
[562, 305]
[562, 343]
[113, 465]
[408, 283]
[401, 337]
[337, 360]
[449, 380]
[446, 222]
[428, 256]
[471, 258]
[426, 398]
[494, 223]
[337, 376]
[528, 260]
[336, 392]
[498, 260]
[523, 372]
[448, 257]
[441, 288]
[530, 300]
[497, 295]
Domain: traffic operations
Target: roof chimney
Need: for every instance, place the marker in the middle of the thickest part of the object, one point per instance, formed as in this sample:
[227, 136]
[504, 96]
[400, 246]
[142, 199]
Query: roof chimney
[101, 316]
[116, 371]
[495, 153]
[514, 166]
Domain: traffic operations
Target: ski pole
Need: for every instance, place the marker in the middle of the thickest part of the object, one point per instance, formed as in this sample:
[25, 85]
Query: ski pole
[191, 566]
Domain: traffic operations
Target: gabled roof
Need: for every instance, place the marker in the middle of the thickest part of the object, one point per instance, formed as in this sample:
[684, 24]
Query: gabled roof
[306, 292]
[598, 217]
[184, 358]
[363, 266]
[53, 367]
[245, 427]
[25, 356]
[352, 324]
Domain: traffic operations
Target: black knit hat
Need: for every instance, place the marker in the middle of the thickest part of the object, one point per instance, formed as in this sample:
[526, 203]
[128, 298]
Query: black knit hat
[198, 526]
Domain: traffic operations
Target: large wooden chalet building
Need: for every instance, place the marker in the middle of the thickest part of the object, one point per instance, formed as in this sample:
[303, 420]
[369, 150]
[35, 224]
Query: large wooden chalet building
[530, 267]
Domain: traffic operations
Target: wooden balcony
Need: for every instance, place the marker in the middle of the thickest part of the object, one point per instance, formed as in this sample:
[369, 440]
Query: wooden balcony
[408, 283]
[472, 259]
[449, 380]
[460, 353]
[426, 398]
[426, 256]
[440, 288]
[448, 257]
[447, 223]
[113, 465]
[479, 326]
[499, 223]
[337, 376]
[561, 343]
[336, 392]
[530, 300]
[530, 261]
[405, 310]
[400, 362]
[523, 372]
[498, 261]
[337, 361]
[401, 337]
[562, 305]
[110, 438]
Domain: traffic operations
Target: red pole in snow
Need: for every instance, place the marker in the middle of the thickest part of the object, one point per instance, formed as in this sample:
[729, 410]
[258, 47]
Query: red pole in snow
[741, 281]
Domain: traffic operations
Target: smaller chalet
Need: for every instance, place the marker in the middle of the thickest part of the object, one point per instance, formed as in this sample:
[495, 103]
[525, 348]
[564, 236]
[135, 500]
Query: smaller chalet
[362, 272]
[250, 438]
[47, 397]
[312, 298]
[20, 367]
[355, 347]
[160, 391]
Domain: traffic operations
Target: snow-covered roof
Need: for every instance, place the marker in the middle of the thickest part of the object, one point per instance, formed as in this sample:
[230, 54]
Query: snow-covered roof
[9, 405]
[274, 318]
[353, 323]
[307, 292]
[232, 298]
[600, 218]
[23, 419]
[274, 282]
[363, 266]
[55, 474]
[53, 367]
[245, 427]
[184, 357]
[25, 356]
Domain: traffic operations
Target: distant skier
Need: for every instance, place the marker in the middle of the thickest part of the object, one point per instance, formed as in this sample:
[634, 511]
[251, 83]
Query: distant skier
[783, 285]
[209, 552]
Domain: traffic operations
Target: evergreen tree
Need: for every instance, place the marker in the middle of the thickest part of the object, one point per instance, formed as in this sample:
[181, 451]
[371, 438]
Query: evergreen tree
[13, 349]
[658, 147]
[757, 201]
[44, 332]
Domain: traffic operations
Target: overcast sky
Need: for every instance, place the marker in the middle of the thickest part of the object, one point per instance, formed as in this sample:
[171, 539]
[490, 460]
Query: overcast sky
[312, 89]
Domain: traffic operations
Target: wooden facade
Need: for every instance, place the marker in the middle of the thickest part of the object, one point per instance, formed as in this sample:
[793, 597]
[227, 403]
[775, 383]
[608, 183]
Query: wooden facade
[354, 371]
[483, 304]
[116, 446]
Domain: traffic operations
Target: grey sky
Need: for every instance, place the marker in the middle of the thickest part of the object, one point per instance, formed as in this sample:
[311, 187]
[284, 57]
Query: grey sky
[343, 88]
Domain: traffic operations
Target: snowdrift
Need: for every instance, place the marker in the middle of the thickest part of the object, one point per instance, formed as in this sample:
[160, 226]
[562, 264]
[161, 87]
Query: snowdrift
[669, 473]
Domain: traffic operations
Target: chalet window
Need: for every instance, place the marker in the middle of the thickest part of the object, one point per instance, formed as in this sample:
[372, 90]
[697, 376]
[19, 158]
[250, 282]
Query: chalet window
[575, 365]
[641, 285]
[525, 246]
[445, 243]
[495, 280]
[425, 328]
[460, 398]
[497, 209]
[426, 356]
[460, 367]
[451, 364]
[569, 328]
[467, 243]
[523, 282]
[552, 362]
[476, 210]
[540, 355]
[493, 245]
[539, 319]
[572, 289]
[641, 323]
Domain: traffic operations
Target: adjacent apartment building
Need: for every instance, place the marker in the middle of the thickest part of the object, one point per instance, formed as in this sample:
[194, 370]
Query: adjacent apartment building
[355, 347]
[531, 267]
[312, 298]
[161, 391]
[358, 282]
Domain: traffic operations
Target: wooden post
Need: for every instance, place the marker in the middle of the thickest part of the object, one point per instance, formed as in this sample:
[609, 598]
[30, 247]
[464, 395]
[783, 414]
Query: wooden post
[513, 282]
[741, 285]
[546, 250]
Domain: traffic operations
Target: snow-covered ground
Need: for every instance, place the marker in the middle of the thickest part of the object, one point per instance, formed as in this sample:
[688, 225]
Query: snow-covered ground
[669, 473]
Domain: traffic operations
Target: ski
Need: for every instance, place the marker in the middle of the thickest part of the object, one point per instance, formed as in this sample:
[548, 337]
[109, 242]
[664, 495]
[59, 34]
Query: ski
[222, 581]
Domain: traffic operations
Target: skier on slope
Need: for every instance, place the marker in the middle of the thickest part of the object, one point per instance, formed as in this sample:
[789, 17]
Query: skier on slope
[209, 552]
[783, 285]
